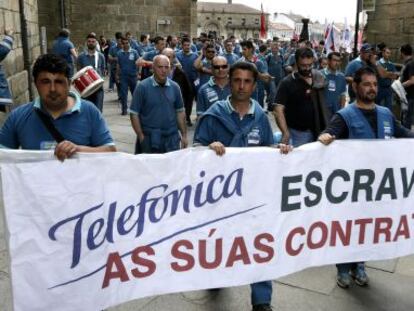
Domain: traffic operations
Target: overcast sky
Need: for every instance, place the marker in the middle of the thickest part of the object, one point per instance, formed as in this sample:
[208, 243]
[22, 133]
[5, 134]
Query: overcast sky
[333, 10]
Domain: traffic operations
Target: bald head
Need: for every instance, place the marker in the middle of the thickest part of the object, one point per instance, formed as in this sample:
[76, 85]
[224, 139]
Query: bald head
[161, 67]
[161, 59]
[219, 59]
[169, 53]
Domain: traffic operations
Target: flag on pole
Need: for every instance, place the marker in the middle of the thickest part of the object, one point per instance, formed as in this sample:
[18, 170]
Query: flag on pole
[330, 44]
[262, 24]
[346, 37]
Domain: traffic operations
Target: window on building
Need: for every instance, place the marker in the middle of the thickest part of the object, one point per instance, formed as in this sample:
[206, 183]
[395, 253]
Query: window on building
[229, 18]
[207, 18]
[219, 18]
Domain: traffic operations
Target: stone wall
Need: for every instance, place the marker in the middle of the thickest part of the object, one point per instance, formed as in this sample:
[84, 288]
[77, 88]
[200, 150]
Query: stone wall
[109, 16]
[392, 22]
[14, 62]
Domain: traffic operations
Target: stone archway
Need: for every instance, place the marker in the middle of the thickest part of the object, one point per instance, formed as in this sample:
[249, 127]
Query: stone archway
[212, 27]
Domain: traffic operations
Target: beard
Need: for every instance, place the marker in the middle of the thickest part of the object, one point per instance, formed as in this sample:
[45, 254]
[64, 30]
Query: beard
[367, 98]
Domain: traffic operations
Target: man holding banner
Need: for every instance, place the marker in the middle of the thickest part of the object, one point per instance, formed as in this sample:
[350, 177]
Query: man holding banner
[362, 119]
[239, 121]
[57, 119]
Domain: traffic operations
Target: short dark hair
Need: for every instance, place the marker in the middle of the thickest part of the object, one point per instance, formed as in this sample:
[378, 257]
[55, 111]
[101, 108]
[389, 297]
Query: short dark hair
[332, 54]
[210, 46]
[406, 49]
[263, 48]
[247, 44]
[244, 66]
[64, 32]
[143, 37]
[158, 39]
[118, 35]
[363, 71]
[51, 63]
[91, 36]
[185, 39]
[303, 53]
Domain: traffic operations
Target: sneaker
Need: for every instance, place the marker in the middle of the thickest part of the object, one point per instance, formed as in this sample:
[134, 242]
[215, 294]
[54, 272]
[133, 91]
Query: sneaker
[359, 275]
[262, 307]
[343, 279]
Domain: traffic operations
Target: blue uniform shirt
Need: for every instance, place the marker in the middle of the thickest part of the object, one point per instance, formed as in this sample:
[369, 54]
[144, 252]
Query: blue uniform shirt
[204, 77]
[149, 56]
[62, 47]
[187, 61]
[5, 47]
[275, 64]
[82, 125]
[353, 67]
[388, 66]
[127, 62]
[157, 105]
[231, 58]
[334, 90]
[85, 60]
[211, 128]
[210, 93]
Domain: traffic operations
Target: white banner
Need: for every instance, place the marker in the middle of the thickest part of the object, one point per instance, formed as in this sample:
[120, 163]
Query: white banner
[94, 232]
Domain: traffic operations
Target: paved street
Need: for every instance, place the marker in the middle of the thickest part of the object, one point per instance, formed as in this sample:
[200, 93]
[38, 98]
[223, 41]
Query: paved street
[391, 286]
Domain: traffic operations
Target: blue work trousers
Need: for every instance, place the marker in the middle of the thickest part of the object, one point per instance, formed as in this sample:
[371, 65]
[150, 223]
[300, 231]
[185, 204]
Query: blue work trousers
[261, 293]
[126, 82]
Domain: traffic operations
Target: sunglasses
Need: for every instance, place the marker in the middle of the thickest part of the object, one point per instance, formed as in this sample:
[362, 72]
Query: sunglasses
[211, 51]
[217, 67]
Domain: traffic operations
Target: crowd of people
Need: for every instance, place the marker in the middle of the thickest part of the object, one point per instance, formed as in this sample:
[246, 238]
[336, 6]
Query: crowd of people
[235, 87]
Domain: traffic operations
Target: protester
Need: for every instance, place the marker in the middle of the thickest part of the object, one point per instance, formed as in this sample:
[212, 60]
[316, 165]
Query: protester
[217, 88]
[5, 48]
[407, 80]
[157, 112]
[127, 72]
[239, 121]
[362, 119]
[178, 75]
[384, 97]
[362, 60]
[64, 47]
[335, 90]
[97, 60]
[58, 119]
[186, 57]
[300, 110]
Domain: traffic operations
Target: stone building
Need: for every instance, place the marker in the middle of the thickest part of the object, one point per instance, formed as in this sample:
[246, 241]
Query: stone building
[106, 17]
[21, 16]
[391, 22]
[229, 18]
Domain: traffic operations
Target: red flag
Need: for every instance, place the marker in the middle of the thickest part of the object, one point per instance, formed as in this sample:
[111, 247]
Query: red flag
[262, 24]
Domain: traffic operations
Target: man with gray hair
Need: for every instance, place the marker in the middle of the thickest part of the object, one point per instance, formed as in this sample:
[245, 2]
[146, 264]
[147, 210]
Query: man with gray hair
[217, 88]
[157, 112]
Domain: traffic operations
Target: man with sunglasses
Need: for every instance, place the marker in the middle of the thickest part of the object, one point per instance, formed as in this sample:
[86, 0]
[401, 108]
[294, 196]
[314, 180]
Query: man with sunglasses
[203, 63]
[217, 88]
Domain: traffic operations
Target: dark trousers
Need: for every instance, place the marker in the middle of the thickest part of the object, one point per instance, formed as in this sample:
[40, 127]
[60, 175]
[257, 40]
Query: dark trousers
[97, 99]
[188, 104]
[126, 82]
[407, 115]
